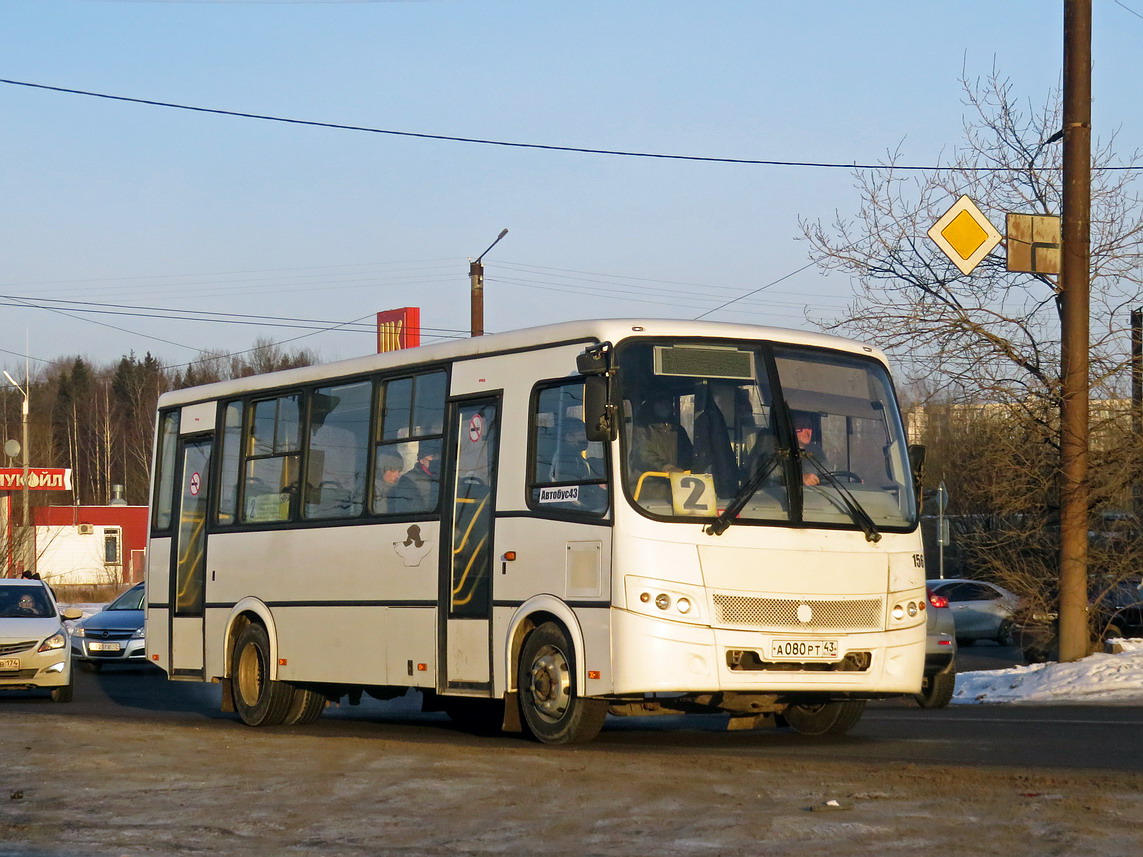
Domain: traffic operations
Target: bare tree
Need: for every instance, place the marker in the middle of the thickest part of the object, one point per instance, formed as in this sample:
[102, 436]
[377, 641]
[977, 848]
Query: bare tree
[991, 334]
[984, 348]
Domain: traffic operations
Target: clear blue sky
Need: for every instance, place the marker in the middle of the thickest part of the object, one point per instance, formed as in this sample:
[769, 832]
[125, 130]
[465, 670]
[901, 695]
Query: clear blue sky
[120, 203]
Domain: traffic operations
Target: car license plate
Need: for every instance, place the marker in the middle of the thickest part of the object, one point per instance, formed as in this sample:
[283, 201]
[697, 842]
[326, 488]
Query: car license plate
[9, 663]
[103, 647]
[803, 650]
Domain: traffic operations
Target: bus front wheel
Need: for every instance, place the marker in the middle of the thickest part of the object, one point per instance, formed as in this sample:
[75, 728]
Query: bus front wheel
[258, 700]
[827, 718]
[549, 704]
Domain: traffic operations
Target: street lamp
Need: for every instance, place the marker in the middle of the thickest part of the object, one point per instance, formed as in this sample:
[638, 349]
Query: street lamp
[24, 454]
[476, 275]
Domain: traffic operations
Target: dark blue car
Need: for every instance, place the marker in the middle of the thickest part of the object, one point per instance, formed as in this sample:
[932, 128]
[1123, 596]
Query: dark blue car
[114, 635]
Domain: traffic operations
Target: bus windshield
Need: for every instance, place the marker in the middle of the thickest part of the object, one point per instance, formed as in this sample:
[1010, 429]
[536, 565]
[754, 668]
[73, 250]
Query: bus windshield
[810, 436]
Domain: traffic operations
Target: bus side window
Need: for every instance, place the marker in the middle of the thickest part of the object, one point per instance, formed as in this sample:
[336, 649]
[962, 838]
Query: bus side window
[338, 449]
[567, 473]
[273, 450]
[230, 454]
[165, 479]
[410, 426]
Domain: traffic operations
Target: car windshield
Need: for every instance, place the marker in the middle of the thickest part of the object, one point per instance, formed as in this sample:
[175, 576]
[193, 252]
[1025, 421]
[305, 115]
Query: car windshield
[791, 434]
[132, 599]
[25, 602]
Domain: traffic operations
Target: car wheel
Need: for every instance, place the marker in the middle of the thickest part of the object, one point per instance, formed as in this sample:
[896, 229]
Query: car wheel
[258, 700]
[64, 693]
[549, 704]
[937, 690]
[1004, 633]
[827, 718]
[89, 666]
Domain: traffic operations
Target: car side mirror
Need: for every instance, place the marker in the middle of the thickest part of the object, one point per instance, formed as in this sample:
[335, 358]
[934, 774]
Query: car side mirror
[71, 613]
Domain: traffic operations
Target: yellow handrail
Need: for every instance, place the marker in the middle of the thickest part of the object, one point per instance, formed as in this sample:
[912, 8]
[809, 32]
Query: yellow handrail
[661, 474]
[471, 523]
[460, 583]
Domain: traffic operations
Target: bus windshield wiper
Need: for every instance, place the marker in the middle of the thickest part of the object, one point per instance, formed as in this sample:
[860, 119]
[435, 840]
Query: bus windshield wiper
[856, 510]
[764, 468]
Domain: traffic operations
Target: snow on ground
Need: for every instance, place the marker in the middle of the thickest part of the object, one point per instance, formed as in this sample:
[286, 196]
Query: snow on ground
[1097, 678]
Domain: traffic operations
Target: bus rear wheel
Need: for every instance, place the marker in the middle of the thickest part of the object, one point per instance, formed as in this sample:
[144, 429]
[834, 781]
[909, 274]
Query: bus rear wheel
[305, 707]
[258, 700]
[549, 704]
[827, 718]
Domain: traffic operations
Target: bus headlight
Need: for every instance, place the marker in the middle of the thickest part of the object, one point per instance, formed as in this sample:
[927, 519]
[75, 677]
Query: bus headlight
[906, 612]
[664, 600]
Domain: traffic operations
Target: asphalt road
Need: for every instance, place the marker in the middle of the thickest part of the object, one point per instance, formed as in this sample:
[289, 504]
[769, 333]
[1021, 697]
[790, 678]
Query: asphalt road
[1091, 737]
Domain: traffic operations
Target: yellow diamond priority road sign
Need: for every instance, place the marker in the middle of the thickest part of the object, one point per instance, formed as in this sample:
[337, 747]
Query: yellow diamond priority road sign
[965, 235]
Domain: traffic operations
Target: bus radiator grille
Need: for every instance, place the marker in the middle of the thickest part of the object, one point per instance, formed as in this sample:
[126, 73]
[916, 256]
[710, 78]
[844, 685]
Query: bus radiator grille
[799, 614]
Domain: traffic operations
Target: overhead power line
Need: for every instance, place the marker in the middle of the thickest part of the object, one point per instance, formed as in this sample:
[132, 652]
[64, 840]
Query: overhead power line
[767, 162]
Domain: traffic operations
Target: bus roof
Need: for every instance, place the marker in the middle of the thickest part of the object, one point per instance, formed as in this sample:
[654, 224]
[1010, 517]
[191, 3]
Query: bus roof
[598, 330]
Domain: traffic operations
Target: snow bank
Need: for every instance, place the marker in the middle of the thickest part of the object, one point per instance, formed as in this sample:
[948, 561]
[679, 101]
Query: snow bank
[1096, 678]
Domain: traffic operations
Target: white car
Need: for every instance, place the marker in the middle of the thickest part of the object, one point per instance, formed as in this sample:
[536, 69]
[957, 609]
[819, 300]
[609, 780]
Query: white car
[981, 610]
[34, 647]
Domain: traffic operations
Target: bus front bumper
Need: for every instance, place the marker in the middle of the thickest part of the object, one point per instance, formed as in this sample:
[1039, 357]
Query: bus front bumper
[656, 656]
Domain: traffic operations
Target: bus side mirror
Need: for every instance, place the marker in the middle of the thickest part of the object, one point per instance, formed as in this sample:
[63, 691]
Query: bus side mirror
[598, 412]
[595, 360]
[917, 453]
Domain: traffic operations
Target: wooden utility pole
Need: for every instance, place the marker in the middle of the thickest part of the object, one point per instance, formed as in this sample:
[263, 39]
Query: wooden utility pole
[1137, 406]
[476, 286]
[1075, 282]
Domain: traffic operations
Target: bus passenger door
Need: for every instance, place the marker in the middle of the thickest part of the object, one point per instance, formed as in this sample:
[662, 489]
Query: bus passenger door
[466, 579]
[188, 559]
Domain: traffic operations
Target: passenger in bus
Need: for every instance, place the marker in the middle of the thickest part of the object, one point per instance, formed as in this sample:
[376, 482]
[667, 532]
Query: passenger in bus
[570, 462]
[660, 443]
[712, 451]
[389, 467]
[419, 488]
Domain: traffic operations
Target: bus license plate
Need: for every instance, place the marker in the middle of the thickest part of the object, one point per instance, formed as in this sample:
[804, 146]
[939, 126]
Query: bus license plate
[801, 650]
[9, 663]
[103, 647]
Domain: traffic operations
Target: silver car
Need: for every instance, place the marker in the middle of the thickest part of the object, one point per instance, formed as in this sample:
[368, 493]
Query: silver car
[34, 650]
[114, 635]
[940, 655]
[981, 610]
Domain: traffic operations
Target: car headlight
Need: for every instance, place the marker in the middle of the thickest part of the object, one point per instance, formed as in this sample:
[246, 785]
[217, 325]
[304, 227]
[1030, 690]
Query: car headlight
[78, 632]
[56, 641]
[140, 634]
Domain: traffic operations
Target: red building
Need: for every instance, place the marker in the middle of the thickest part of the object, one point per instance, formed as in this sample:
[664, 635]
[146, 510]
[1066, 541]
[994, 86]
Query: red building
[92, 545]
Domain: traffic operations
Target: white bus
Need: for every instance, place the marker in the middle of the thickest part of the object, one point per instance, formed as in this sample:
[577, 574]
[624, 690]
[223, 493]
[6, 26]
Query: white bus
[545, 526]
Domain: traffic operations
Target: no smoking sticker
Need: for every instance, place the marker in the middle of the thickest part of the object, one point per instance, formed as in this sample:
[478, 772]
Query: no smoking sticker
[195, 484]
[475, 428]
